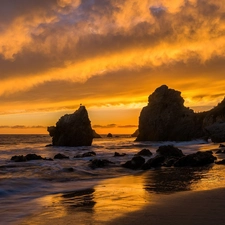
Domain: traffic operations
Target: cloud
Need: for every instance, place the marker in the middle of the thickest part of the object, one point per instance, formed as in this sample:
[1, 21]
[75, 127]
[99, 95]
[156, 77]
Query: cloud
[105, 126]
[93, 49]
[22, 127]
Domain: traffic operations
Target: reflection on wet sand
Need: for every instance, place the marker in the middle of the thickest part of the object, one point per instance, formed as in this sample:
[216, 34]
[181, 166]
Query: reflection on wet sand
[116, 197]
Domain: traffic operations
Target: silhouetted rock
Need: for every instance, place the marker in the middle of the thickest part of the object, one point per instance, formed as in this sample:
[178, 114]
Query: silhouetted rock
[86, 154]
[49, 145]
[196, 159]
[61, 156]
[28, 157]
[221, 146]
[19, 158]
[135, 163]
[167, 119]
[116, 154]
[135, 134]
[216, 132]
[157, 161]
[109, 135]
[72, 129]
[96, 135]
[99, 163]
[145, 152]
[169, 151]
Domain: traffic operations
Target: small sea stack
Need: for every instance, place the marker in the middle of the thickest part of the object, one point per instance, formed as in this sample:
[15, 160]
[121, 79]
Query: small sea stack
[72, 129]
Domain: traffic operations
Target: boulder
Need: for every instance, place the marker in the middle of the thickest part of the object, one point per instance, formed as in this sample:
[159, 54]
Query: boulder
[169, 151]
[28, 157]
[99, 163]
[157, 161]
[109, 135]
[195, 159]
[221, 162]
[165, 118]
[61, 156]
[145, 152]
[86, 154]
[135, 163]
[221, 146]
[72, 129]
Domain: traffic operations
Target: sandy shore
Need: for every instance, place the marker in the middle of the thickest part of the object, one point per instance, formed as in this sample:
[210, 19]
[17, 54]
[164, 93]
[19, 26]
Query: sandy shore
[124, 201]
[187, 208]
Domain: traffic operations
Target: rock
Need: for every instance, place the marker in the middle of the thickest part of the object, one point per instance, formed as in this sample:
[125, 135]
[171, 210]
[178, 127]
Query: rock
[109, 135]
[195, 159]
[116, 154]
[157, 161]
[72, 129]
[61, 156]
[221, 146]
[167, 119]
[135, 134]
[220, 151]
[86, 154]
[135, 163]
[19, 158]
[99, 163]
[216, 132]
[145, 152]
[48, 145]
[95, 135]
[28, 157]
[69, 169]
[169, 151]
[33, 157]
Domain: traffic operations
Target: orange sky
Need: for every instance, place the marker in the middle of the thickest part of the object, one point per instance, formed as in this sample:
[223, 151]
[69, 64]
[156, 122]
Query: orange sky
[108, 55]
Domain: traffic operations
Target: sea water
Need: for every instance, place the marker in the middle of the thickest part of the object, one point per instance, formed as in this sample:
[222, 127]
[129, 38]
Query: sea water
[24, 184]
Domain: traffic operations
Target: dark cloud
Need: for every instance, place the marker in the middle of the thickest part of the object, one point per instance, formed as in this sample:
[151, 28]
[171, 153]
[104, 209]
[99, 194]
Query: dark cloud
[22, 127]
[105, 126]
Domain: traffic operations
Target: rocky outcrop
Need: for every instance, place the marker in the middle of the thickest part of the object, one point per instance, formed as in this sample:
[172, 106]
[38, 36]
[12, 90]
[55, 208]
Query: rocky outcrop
[135, 134]
[135, 163]
[96, 135]
[109, 135]
[165, 118]
[72, 129]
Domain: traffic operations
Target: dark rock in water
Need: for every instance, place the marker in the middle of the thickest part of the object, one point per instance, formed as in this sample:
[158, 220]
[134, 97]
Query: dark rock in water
[135, 134]
[196, 159]
[109, 135]
[95, 135]
[69, 169]
[167, 119]
[28, 157]
[19, 158]
[116, 154]
[86, 154]
[99, 163]
[169, 151]
[135, 163]
[157, 161]
[222, 146]
[61, 156]
[216, 132]
[72, 129]
[221, 162]
[145, 152]
[33, 157]
[48, 159]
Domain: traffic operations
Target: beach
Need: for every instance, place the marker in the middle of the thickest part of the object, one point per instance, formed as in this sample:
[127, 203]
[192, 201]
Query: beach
[130, 204]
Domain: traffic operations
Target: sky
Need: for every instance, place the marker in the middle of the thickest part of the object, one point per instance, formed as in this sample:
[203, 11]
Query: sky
[108, 55]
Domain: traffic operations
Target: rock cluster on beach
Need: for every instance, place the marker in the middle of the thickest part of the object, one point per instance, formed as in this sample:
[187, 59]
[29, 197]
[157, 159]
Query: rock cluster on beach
[72, 129]
[165, 118]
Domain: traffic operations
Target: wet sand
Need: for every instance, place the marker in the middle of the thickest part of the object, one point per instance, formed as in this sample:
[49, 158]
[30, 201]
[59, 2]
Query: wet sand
[125, 201]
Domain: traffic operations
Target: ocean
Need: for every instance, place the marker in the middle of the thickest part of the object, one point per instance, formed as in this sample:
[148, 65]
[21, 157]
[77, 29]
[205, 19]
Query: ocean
[39, 188]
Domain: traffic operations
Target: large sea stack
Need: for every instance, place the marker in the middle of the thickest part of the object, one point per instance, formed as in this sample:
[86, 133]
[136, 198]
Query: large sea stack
[165, 118]
[72, 129]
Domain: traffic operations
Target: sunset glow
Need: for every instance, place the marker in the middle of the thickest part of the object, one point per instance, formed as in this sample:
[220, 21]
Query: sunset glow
[109, 56]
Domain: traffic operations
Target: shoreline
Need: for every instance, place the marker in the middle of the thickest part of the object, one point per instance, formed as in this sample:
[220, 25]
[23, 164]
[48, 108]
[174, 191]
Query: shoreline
[124, 201]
